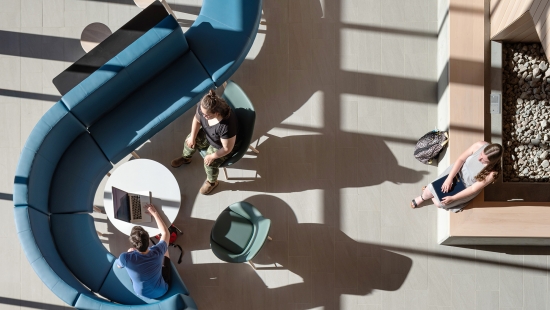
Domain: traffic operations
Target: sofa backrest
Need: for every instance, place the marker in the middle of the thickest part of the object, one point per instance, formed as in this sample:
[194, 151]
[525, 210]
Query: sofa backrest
[228, 25]
[33, 229]
[152, 107]
[77, 176]
[121, 76]
[80, 248]
[240, 15]
[49, 139]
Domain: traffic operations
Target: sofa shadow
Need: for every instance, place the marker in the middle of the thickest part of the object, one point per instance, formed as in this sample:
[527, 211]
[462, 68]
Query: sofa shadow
[29, 304]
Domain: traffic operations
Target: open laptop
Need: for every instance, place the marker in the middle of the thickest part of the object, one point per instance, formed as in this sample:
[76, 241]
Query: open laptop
[130, 207]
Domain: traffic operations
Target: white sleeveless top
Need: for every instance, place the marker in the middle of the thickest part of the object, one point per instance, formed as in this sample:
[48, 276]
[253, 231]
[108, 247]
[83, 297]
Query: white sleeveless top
[472, 166]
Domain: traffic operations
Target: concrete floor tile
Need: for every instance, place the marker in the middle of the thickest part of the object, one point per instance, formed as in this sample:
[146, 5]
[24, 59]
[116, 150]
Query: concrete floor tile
[75, 19]
[440, 282]
[465, 262]
[417, 277]
[10, 128]
[416, 299]
[75, 6]
[346, 264]
[535, 292]
[393, 59]
[119, 15]
[53, 13]
[511, 282]
[487, 274]
[487, 300]
[97, 12]
[10, 14]
[463, 291]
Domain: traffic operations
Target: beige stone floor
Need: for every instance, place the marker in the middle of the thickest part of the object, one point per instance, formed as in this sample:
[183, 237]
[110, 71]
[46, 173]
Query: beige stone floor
[342, 88]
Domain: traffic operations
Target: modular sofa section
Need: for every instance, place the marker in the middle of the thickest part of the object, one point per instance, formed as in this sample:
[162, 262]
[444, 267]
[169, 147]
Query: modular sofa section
[227, 25]
[151, 108]
[118, 287]
[49, 139]
[80, 248]
[33, 230]
[126, 72]
[77, 176]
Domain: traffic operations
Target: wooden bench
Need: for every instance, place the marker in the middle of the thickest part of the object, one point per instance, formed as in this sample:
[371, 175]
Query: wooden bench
[465, 110]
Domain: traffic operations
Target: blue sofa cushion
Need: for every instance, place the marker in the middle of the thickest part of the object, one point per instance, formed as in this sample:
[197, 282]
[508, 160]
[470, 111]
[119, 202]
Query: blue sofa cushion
[150, 109]
[121, 76]
[80, 248]
[228, 24]
[33, 229]
[77, 176]
[118, 287]
[176, 302]
[240, 15]
[47, 142]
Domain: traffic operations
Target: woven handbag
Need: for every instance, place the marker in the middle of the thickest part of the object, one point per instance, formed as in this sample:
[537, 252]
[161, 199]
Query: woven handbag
[430, 145]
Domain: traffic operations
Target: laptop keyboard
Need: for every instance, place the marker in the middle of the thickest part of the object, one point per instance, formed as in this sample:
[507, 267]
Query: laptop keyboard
[135, 204]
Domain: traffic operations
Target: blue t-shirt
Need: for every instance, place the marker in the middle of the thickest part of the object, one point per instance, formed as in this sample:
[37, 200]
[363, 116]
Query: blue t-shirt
[145, 270]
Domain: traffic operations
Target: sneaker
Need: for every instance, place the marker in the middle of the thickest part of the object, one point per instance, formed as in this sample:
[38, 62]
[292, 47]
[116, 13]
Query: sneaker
[207, 187]
[180, 161]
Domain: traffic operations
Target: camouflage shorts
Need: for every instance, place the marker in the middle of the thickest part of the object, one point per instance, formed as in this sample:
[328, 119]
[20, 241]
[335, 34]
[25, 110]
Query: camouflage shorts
[201, 143]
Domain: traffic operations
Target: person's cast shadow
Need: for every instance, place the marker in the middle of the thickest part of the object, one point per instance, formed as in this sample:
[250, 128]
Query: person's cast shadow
[300, 163]
[305, 266]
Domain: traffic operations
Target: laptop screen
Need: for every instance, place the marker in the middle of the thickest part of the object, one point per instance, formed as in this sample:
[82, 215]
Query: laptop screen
[121, 206]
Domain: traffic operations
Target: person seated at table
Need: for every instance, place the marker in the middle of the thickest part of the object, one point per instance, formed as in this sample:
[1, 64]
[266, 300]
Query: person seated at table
[148, 267]
[478, 167]
[215, 128]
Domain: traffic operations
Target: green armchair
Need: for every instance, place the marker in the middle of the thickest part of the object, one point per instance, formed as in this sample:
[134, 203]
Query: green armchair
[239, 233]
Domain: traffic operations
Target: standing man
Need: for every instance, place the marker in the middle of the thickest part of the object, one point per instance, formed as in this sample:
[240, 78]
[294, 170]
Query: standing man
[215, 128]
[148, 267]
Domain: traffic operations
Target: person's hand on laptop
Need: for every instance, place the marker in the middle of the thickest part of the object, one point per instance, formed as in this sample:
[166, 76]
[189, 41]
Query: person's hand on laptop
[151, 209]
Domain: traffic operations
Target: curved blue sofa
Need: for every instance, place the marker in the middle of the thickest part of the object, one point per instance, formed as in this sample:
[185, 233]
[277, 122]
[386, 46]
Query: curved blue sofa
[113, 110]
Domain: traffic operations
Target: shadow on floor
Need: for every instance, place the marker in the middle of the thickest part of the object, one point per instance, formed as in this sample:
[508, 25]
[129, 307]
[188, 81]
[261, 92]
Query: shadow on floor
[30, 304]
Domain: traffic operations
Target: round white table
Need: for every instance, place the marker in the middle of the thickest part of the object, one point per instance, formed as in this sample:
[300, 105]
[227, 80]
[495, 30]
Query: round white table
[94, 34]
[141, 175]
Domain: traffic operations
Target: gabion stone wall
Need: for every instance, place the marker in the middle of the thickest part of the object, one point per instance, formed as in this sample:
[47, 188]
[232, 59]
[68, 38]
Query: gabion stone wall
[526, 109]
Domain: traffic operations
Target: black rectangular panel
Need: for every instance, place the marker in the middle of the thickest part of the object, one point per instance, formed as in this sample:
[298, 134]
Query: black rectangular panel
[110, 47]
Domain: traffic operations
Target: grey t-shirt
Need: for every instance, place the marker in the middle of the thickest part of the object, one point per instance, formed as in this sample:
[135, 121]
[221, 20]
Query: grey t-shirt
[226, 129]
